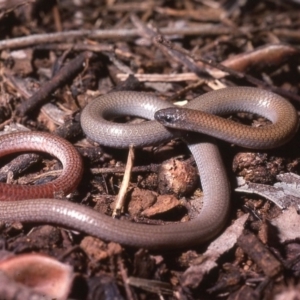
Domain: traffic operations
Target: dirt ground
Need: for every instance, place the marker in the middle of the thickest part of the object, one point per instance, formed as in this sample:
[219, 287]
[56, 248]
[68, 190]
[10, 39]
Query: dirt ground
[56, 57]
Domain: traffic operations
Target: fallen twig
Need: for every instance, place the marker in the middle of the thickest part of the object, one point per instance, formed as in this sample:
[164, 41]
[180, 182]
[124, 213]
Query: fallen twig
[66, 73]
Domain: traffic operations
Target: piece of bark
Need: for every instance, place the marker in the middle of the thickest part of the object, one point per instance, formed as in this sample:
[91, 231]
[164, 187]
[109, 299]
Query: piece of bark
[194, 275]
[287, 225]
[257, 251]
[284, 194]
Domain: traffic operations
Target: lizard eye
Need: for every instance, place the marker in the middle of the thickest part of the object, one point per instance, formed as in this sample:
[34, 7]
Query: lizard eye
[164, 116]
[169, 118]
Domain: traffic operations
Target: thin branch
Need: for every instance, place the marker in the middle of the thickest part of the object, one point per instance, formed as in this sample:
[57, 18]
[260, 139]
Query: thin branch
[124, 186]
[58, 37]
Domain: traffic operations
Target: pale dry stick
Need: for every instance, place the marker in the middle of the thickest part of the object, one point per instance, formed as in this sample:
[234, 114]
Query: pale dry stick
[154, 286]
[161, 77]
[203, 14]
[124, 186]
[145, 168]
[76, 47]
[57, 18]
[139, 6]
[288, 34]
[36, 39]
